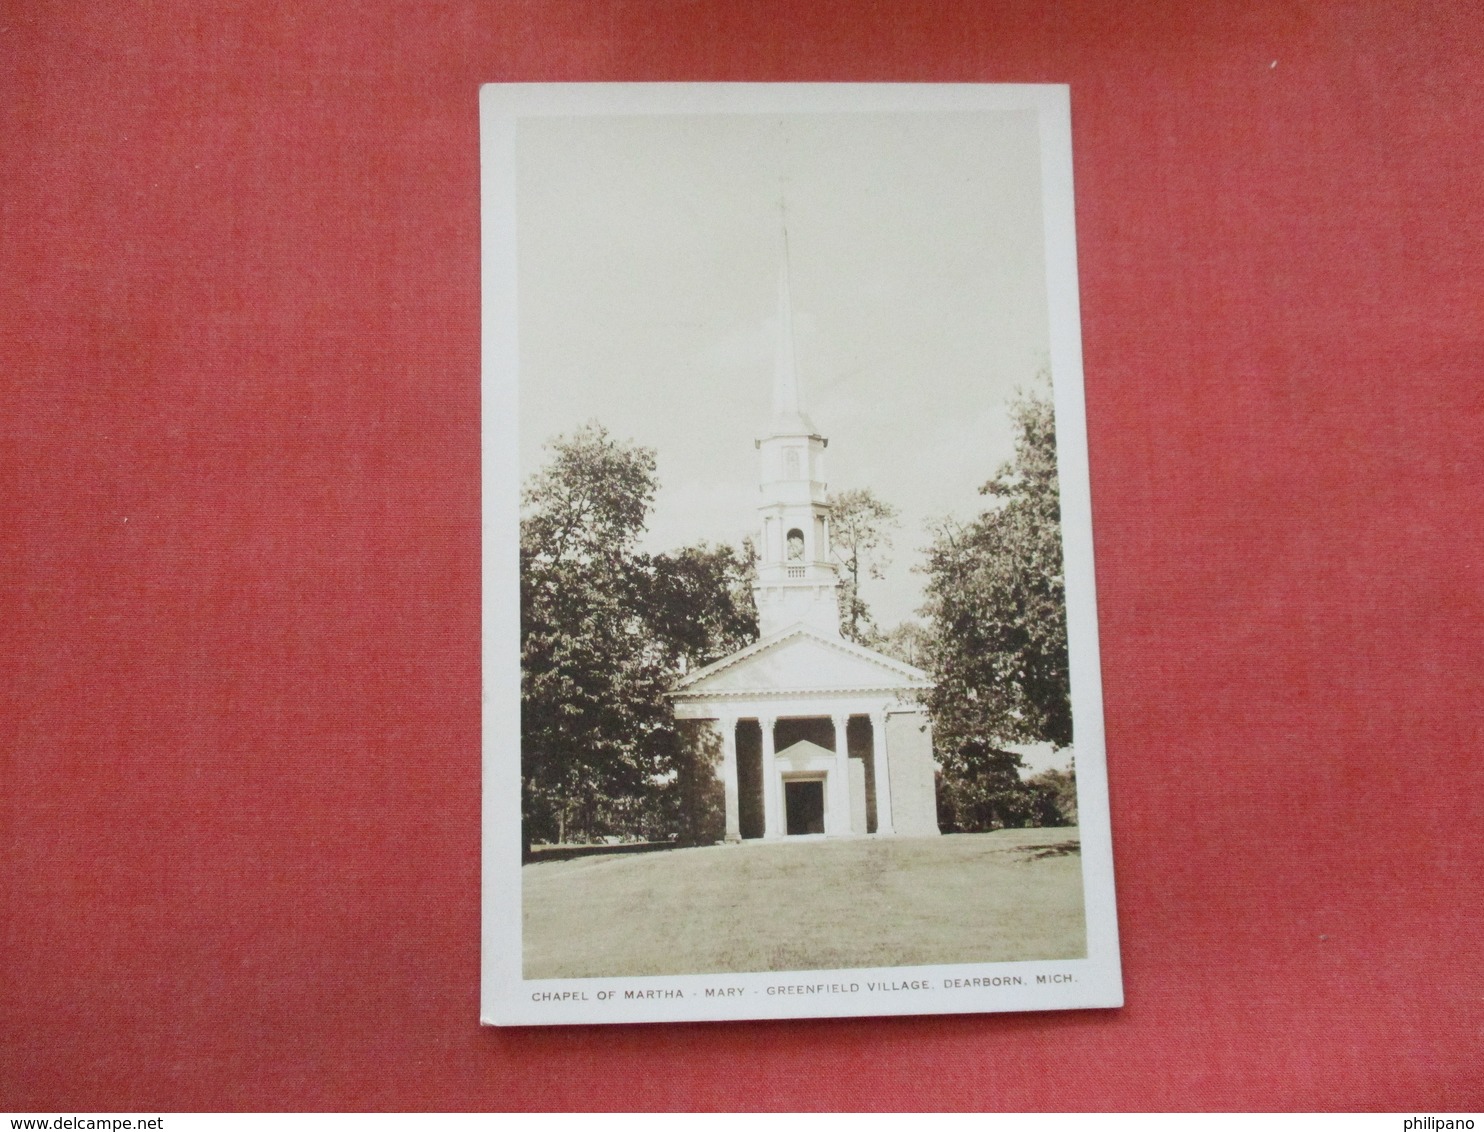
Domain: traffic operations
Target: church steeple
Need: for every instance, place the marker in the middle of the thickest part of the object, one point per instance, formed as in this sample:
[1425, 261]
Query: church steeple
[788, 404]
[796, 576]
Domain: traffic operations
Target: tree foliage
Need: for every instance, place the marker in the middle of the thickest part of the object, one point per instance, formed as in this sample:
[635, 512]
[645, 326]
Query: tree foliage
[589, 687]
[605, 630]
[908, 642]
[996, 600]
[985, 792]
[1055, 796]
[980, 789]
[700, 603]
[860, 537]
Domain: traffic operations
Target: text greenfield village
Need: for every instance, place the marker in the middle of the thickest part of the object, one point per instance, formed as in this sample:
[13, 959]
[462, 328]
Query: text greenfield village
[651, 994]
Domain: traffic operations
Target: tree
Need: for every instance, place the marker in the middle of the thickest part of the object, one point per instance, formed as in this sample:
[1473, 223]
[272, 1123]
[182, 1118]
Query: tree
[589, 688]
[605, 630]
[996, 602]
[699, 602]
[588, 505]
[980, 789]
[698, 607]
[859, 536]
[908, 642]
[1055, 796]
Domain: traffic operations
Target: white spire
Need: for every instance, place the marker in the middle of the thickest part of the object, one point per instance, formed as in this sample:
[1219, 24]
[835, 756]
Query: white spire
[788, 400]
[797, 582]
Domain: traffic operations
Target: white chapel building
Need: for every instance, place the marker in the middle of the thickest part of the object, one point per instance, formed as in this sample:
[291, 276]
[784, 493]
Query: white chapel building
[820, 736]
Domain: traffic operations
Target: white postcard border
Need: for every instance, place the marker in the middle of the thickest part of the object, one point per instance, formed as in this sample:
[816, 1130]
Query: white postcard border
[506, 997]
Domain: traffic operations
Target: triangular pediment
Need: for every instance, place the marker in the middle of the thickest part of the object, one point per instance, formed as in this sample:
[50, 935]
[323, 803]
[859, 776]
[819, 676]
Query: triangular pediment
[805, 756]
[805, 751]
[802, 659]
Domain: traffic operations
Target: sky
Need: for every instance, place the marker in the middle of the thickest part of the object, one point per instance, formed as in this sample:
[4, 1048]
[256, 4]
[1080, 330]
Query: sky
[648, 256]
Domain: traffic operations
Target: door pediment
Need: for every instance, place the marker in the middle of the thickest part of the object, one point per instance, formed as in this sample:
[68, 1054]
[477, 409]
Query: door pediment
[804, 757]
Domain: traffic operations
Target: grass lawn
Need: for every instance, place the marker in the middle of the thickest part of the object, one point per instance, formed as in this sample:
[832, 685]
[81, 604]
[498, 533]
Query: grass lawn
[792, 906]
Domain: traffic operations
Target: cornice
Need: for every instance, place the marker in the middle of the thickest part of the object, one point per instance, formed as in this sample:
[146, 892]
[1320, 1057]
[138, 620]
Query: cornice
[919, 679]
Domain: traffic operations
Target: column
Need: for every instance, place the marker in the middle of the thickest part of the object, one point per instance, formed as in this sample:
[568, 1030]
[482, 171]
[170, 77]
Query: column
[729, 775]
[838, 822]
[772, 804]
[882, 772]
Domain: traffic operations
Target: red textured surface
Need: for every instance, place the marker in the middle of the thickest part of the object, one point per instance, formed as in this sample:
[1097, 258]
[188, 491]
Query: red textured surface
[239, 326]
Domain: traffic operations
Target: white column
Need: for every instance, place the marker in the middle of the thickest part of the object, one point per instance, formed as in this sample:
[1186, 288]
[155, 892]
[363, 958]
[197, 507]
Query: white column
[881, 771]
[729, 775]
[839, 811]
[772, 801]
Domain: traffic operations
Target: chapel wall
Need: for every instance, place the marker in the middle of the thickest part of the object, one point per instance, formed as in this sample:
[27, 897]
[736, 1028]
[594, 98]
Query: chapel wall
[914, 797]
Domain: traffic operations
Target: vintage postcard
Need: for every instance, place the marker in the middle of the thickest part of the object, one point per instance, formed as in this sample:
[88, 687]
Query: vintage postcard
[791, 686]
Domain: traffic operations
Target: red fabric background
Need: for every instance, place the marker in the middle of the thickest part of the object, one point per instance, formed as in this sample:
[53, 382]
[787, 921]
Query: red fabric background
[239, 316]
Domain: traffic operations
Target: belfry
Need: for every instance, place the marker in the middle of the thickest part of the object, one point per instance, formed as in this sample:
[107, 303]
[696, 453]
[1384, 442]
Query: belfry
[819, 735]
[796, 577]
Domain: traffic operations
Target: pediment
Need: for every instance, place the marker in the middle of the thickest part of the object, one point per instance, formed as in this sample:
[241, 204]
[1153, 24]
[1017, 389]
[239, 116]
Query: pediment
[804, 749]
[805, 755]
[801, 659]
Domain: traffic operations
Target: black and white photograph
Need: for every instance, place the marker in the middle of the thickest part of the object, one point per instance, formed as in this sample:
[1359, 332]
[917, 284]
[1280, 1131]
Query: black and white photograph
[792, 703]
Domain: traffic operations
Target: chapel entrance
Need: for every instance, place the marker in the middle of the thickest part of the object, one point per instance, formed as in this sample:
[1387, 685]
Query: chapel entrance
[803, 806]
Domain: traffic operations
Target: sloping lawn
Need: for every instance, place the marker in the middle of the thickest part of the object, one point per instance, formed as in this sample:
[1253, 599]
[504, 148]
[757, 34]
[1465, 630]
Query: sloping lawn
[792, 906]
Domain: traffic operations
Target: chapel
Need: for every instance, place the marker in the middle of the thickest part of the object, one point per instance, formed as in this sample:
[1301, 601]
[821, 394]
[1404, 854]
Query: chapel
[819, 735]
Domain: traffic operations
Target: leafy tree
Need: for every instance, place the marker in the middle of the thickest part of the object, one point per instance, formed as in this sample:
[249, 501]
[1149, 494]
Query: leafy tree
[1054, 795]
[589, 687]
[860, 526]
[588, 505]
[996, 602]
[689, 806]
[980, 789]
[699, 602]
[908, 642]
[698, 607]
[605, 630]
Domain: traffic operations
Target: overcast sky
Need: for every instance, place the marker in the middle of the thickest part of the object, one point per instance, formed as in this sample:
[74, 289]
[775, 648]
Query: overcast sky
[648, 258]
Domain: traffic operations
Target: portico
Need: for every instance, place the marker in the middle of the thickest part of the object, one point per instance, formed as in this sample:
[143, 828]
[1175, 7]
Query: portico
[802, 707]
[804, 762]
